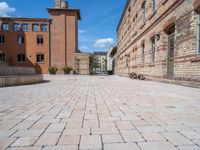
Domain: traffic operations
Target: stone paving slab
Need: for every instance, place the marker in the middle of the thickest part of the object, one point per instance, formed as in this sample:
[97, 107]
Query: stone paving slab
[99, 112]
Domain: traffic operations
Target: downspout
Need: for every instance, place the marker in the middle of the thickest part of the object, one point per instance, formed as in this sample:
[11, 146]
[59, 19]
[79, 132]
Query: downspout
[50, 21]
[65, 39]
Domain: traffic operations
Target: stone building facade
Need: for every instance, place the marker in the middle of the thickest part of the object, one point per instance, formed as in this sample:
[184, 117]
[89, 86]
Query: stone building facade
[40, 42]
[82, 63]
[160, 39]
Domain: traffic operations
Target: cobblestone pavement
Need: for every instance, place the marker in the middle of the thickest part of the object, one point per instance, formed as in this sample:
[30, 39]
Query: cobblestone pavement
[110, 113]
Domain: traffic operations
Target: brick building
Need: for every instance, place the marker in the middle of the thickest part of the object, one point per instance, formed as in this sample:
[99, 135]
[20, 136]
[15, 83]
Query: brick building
[160, 39]
[40, 42]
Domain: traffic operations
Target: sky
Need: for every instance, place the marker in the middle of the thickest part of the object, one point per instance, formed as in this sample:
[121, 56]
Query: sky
[97, 27]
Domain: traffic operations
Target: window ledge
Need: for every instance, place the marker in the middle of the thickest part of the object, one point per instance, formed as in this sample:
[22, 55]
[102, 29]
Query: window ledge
[195, 59]
[40, 63]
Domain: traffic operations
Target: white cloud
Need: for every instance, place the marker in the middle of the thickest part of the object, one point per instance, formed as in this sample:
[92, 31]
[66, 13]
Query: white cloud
[104, 43]
[5, 10]
[81, 31]
[84, 47]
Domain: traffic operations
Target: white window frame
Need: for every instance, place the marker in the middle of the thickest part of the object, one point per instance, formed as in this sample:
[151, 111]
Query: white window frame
[198, 32]
[20, 39]
[40, 61]
[5, 27]
[40, 40]
[21, 57]
[153, 49]
[25, 27]
[43, 27]
[35, 27]
[16, 27]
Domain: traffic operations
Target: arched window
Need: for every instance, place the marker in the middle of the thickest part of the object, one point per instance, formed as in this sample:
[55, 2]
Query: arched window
[20, 39]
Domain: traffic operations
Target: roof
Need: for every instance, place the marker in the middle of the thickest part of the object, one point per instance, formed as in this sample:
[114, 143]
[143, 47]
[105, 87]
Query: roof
[23, 19]
[100, 53]
[124, 11]
[67, 9]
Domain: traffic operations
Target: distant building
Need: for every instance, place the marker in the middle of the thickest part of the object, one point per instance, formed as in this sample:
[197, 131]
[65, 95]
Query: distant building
[111, 63]
[160, 39]
[101, 58]
[82, 63]
[40, 42]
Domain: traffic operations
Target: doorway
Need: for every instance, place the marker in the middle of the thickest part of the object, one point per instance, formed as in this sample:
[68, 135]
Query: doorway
[170, 63]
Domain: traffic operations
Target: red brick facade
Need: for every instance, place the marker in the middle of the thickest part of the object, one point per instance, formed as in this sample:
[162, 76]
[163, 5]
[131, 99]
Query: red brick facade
[51, 45]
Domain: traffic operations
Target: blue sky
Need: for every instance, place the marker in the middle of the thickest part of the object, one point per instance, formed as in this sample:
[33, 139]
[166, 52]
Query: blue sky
[97, 29]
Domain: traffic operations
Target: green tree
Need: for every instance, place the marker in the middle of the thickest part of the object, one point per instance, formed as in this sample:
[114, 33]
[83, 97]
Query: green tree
[94, 64]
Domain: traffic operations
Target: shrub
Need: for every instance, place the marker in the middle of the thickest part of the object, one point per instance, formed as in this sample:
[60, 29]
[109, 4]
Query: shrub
[67, 69]
[52, 70]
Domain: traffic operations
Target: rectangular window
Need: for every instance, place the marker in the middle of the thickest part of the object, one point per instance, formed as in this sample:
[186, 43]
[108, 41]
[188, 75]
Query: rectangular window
[44, 28]
[25, 27]
[5, 27]
[21, 58]
[127, 62]
[143, 46]
[198, 41]
[35, 27]
[20, 39]
[40, 40]
[16, 27]
[2, 57]
[144, 12]
[40, 58]
[2, 39]
[153, 40]
[154, 6]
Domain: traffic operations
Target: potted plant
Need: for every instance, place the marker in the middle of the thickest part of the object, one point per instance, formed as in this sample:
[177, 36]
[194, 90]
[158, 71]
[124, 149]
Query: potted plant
[52, 70]
[67, 69]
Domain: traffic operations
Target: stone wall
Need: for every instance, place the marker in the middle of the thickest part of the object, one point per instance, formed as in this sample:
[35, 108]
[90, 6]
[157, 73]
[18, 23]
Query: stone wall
[20, 80]
[81, 63]
[6, 71]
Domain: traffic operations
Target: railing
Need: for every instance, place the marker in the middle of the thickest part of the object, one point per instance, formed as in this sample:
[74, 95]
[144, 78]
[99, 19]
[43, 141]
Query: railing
[9, 71]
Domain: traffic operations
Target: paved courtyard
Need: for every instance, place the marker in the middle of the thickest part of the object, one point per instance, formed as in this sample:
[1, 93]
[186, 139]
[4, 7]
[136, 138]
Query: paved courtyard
[110, 113]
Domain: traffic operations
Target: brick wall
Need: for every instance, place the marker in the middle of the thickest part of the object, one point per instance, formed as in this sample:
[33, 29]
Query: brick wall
[30, 47]
[133, 32]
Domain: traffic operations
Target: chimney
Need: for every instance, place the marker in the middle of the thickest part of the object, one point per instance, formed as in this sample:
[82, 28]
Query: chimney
[58, 3]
